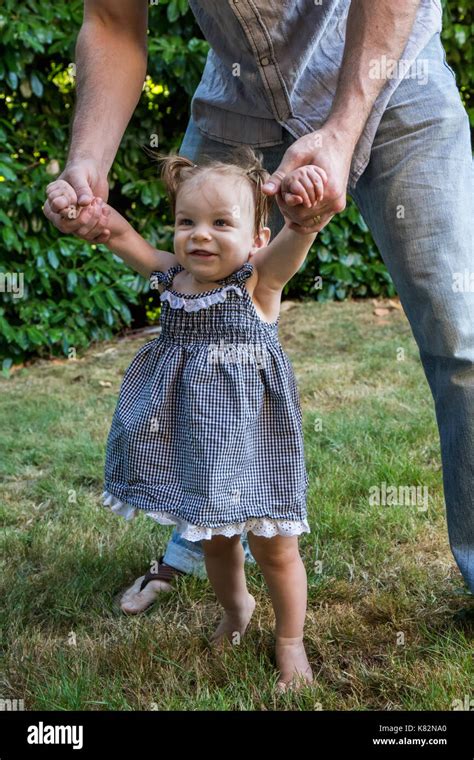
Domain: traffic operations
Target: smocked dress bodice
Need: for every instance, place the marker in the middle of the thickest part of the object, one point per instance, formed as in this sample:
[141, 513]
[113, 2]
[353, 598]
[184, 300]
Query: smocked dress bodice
[238, 320]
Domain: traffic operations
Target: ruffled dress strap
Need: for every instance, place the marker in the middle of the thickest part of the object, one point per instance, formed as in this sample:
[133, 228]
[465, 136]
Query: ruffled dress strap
[164, 278]
[240, 275]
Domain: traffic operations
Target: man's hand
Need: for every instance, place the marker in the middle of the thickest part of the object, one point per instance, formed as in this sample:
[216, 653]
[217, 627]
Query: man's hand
[327, 151]
[70, 193]
[89, 223]
[373, 30]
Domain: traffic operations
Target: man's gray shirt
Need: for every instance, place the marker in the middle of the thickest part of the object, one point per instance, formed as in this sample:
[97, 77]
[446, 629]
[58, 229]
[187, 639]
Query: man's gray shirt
[275, 63]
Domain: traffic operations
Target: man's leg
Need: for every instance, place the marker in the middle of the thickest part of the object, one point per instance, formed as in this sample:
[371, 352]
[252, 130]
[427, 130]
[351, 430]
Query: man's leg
[416, 197]
[187, 556]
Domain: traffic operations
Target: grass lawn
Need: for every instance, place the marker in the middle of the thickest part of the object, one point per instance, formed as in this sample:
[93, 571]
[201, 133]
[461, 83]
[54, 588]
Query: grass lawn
[389, 624]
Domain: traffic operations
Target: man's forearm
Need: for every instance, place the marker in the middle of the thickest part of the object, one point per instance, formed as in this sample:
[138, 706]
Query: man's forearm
[110, 71]
[374, 29]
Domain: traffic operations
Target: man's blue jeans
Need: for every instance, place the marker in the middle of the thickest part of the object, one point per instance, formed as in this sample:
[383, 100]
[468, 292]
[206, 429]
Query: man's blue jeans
[416, 196]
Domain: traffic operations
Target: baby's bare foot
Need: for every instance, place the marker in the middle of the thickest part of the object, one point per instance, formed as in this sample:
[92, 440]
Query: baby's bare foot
[233, 625]
[292, 662]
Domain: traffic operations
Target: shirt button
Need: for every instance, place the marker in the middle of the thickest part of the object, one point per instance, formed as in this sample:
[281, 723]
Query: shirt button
[264, 61]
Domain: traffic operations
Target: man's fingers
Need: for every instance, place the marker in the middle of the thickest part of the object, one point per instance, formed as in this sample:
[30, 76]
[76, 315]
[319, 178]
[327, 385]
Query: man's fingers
[102, 237]
[48, 212]
[306, 229]
[78, 178]
[303, 216]
[101, 233]
[80, 222]
[56, 219]
[60, 195]
[84, 194]
[273, 183]
[70, 205]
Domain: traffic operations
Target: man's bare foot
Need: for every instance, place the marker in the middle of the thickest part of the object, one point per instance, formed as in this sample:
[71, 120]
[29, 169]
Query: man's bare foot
[147, 588]
[134, 601]
[233, 625]
[292, 662]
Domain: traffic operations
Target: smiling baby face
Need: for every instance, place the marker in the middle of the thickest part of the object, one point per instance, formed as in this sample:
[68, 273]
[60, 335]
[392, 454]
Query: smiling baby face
[215, 226]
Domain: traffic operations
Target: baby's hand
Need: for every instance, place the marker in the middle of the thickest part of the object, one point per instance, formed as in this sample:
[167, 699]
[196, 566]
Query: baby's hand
[304, 185]
[92, 218]
[106, 221]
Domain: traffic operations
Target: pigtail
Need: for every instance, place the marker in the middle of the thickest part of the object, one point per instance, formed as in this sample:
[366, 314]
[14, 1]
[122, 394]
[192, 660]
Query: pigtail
[173, 170]
[263, 203]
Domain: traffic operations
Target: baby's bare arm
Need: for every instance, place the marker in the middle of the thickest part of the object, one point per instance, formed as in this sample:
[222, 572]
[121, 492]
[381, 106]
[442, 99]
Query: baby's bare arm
[279, 261]
[123, 240]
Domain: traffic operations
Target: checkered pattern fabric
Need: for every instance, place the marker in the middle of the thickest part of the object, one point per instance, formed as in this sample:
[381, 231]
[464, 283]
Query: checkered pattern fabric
[208, 424]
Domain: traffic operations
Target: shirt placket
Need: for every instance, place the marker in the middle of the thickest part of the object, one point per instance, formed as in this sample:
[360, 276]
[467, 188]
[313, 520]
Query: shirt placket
[260, 41]
[259, 38]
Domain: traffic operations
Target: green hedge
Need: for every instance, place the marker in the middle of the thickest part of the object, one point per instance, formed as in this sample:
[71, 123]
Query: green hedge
[73, 292]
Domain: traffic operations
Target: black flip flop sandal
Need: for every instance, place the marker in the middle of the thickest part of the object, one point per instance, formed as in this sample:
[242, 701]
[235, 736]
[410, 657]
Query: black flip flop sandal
[165, 573]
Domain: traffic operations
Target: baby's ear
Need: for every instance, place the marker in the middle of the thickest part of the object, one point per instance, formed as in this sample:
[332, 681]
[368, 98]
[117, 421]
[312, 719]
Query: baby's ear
[261, 240]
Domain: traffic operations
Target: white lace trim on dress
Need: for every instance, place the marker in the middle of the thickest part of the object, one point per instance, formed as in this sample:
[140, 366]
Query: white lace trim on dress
[194, 304]
[260, 526]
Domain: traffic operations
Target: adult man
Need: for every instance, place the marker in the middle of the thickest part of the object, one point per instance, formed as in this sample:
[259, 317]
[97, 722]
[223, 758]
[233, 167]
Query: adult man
[325, 83]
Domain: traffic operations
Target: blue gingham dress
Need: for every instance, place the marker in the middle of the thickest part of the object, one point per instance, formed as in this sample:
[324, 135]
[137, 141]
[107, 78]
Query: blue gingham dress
[207, 431]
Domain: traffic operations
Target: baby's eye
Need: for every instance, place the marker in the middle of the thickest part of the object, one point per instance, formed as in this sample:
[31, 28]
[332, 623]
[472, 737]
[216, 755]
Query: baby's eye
[183, 221]
[220, 220]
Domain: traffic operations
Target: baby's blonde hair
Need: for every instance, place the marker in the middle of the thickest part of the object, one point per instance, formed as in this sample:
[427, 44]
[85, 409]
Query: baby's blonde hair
[244, 163]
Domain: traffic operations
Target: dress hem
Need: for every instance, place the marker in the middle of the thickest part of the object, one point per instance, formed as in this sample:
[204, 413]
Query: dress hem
[260, 526]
